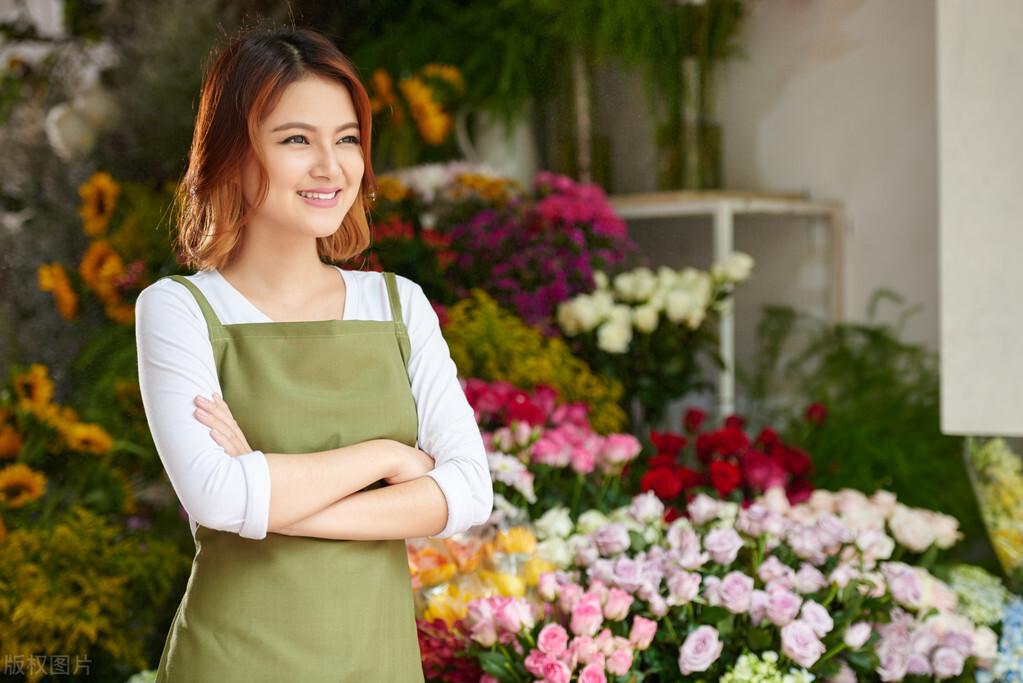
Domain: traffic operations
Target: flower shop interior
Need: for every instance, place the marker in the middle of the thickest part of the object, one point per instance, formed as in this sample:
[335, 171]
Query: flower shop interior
[727, 284]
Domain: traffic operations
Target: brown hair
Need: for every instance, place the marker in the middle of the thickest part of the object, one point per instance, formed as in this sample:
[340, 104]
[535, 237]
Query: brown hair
[240, 89]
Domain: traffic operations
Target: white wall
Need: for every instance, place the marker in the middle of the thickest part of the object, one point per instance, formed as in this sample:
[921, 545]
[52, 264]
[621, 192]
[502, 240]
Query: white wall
[980, 110]
[838, 98]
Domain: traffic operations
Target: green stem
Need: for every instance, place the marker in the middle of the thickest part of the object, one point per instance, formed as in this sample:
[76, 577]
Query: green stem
[832, 652]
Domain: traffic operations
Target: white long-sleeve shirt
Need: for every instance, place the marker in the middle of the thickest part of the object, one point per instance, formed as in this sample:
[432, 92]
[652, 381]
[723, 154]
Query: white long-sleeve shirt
[175, 361]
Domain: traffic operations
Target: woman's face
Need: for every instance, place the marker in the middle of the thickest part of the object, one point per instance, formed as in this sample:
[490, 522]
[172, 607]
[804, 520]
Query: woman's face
[310, 143]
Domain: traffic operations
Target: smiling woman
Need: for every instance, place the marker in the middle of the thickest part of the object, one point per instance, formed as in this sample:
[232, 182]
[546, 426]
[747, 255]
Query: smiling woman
[303, 476]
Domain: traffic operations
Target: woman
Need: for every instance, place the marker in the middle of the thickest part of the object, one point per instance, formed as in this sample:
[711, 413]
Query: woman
[342, 428]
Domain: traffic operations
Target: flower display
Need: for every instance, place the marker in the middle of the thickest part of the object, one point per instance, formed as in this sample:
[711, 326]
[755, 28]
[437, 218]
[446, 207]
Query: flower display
[998, 481]
[648, 328]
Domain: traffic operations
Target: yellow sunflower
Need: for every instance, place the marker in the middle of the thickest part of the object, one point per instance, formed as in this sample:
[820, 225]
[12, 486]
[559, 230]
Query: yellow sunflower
[383, 91]
[88, 438]
[433, 124]
[10, 441]
[20, 485]
[99, 197]
[33, 387]
[100, 268]
[53, 278]
[121, 312]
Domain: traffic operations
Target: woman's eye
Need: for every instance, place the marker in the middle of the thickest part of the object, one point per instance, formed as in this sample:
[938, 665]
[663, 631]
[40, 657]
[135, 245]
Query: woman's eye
[354, 138]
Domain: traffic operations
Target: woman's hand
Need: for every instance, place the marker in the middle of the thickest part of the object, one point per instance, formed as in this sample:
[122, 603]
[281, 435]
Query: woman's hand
[412, 463]
[225, 431]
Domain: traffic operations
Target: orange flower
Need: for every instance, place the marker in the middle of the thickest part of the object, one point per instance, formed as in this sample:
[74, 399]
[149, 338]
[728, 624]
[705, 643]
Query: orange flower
[99, 197]
[10, 441]
[33, 387]
[53, 278]
[20, 485]
[88, 438]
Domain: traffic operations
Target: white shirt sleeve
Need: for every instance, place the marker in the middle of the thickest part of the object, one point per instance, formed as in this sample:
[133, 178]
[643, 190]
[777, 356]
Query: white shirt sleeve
[448, 431]
[175, 363]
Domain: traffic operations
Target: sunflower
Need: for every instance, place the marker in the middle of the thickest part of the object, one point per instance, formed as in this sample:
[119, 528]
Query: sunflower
[34, 388]
[88, 438]
[383, 89]
[433, 124]
[53, 278]
[20, 485]
[10, 441]
[101, 266]
[121, 313]
[99, 197]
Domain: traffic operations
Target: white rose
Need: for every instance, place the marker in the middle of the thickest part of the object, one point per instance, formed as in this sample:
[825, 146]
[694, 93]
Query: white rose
[735, 267]
[666, 277]
[556, 522]
[587, 313]
[590, 521]
[603, 301]
[644, 283]
[678, 305]
[625, 286]
[614, 337]
[568, 321]
[600, 278]
[645, 318]
[555, 550]
[985, 645]
[911, 528]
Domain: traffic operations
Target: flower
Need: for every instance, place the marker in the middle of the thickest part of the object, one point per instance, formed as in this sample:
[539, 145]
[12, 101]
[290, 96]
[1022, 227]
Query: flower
[34, 388]
[99, 198]
[700, 649]
[88, 438]
[816, 615]
[724, 476]
[735, 267]
[857, 635]
[552, 640]
[53, 278]
[946, 663]
[799, 643]
[642, 632]
[20, 485]
[723, 545]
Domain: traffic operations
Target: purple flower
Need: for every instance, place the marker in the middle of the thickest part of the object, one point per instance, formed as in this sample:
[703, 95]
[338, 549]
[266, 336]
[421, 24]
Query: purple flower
[700, 649]
[723, 545]
[800, 644]
[736, 592]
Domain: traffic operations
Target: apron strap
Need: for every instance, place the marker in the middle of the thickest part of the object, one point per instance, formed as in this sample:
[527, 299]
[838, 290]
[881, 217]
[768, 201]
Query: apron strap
[213, 323]
[404, 344]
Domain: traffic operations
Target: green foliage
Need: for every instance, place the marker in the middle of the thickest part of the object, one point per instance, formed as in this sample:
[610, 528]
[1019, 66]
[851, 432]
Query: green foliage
[490, 343]
[85, 587]
[883, 425]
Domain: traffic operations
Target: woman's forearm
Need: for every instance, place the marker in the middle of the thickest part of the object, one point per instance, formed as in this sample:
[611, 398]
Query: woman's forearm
[412, 509]
[304, 483]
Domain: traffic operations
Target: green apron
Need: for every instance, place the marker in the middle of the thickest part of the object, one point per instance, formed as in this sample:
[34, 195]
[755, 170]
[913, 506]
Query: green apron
[295, 608]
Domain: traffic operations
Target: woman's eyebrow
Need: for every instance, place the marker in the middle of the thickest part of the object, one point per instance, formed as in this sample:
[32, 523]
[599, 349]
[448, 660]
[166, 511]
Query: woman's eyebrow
[306, 126]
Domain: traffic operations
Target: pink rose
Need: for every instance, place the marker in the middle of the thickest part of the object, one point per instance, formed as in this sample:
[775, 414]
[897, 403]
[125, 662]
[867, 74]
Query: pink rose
[620, 661]
[800, 644]
[593, 673]
[736, 592]
[620, 448]
[556, 672]
[809, 579]
[857, 635]
[700, 649]
[773, 570]
[758, 606]
[553, 640]
[536, 662]
[903, 583]
[568, 595]
[612, 539]
[702, 508]
[583, 650]
[683, 586]
[587, 616]
[617, 606]
[817, 616]
[723, 545]
[782, 606]
[642, 633]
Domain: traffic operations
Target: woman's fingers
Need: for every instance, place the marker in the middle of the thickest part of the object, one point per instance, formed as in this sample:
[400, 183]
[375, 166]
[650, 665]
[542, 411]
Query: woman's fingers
[224, 429]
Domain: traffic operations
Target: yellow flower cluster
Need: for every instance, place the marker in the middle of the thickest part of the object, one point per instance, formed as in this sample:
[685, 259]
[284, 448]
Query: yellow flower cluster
[999, 488]
[390, 189]
[433, 122]
[493, 189]
[447, 582]
[34, 390]
[53, 278]
[101, 268]
[446, 72]
[384, 96]
[492, 344]
[99, 198]
[71, 587]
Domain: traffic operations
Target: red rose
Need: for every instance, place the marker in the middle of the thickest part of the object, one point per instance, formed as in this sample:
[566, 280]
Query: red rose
[689, 477]
[761, 472]
[798, 491]
[766, 440]
[693, 420]
[734, 422]
[816, 413]
[668, 442]
[725, 477]
[662, 460]
[797, 462]
[671, 513]
[521, 408]
[662, 481]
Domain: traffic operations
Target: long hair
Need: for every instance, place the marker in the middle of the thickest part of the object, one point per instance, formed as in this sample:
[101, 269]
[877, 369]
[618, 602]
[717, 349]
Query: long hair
[239, 90]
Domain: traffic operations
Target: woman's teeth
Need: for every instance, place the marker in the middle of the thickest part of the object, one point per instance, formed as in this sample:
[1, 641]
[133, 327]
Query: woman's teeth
[317, 195]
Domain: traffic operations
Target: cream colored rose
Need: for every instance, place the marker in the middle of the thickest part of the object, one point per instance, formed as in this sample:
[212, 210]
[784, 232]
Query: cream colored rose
[554, 522]
[590, 521]
[600, 278]
[645, 318]
[613, 336]
[735, 267]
